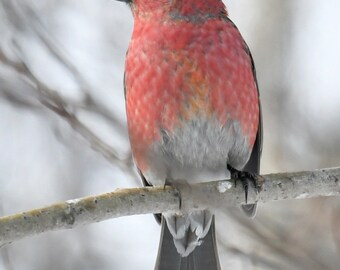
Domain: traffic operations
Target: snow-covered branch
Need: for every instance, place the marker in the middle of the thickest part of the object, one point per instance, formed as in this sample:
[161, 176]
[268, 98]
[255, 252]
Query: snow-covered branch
[177, 198]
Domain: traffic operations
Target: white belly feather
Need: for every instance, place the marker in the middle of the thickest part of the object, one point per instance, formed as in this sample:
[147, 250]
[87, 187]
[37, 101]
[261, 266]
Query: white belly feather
[198, 151]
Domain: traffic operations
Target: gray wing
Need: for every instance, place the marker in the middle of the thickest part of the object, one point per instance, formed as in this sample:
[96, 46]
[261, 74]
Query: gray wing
[253, 164]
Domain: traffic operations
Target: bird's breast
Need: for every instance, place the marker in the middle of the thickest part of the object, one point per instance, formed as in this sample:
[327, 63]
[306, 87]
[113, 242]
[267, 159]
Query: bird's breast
[191, 97]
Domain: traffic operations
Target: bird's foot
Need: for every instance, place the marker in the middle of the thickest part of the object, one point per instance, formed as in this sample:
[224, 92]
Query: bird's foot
[248, 179]
[178, 184]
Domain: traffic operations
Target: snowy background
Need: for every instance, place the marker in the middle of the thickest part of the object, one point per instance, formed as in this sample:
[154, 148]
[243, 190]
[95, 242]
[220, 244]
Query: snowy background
[67, 137]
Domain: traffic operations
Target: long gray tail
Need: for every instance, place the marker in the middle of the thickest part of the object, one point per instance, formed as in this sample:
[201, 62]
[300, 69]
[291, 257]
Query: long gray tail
[204, 257]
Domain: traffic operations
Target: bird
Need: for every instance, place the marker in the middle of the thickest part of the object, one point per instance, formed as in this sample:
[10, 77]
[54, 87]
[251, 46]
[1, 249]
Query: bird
[193, 113]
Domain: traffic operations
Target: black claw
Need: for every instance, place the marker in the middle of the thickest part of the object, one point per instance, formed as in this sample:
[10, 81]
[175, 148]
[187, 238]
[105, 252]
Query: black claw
[245, 178]
[245, 186]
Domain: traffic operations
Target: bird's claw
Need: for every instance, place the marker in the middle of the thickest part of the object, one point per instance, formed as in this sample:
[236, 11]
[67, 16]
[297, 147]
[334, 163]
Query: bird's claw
[247, 179]
[176, 184]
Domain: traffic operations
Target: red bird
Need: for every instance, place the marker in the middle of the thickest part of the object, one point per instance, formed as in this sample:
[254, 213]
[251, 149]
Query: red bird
[193, 112]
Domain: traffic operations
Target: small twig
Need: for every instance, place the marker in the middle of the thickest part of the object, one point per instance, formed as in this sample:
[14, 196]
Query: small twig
[32, 21]
[69, 214]
[53, 101]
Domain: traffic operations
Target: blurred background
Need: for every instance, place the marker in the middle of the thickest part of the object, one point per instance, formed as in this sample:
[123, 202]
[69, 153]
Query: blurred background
[63, 131]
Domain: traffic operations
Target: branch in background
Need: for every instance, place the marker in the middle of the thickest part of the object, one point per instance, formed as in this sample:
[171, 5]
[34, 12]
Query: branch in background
[124, 202]
[53, 101]
[24, 15]
[14, 99]
[32, 21]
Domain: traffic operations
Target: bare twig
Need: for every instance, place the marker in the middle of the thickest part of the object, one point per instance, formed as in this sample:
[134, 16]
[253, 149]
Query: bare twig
[16, 100]
[50, 98]
[53, 101]
[27, 16]
[69, 214]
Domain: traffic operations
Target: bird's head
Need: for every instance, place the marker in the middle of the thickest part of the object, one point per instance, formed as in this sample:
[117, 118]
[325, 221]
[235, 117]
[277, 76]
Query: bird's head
[181, 9]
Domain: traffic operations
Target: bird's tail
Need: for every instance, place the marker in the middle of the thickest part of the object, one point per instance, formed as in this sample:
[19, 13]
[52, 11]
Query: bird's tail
[204, 256]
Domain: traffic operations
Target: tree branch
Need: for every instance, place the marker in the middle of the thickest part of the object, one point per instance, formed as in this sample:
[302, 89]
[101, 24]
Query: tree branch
[177, 199]
[52, 100]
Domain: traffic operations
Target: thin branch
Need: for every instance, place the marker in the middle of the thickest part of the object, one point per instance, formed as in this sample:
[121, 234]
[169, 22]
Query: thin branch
[50, 98]
[16, 100]
[32, 21]
[181, 198]
[53, 101]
